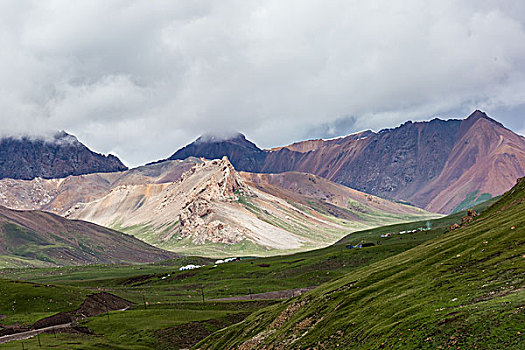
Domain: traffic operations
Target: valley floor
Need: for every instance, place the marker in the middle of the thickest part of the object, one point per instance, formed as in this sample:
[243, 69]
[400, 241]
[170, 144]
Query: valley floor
[176, 309]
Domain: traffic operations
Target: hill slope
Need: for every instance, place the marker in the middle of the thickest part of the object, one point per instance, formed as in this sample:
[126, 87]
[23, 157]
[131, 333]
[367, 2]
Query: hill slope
[486, 159]
[208, 208]
[56, 157]
[35, 238]
[462, 289]
[437, 165]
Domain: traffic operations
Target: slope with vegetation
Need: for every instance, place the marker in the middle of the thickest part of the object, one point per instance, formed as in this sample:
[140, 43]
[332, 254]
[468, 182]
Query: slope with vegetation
[463, 289]
[175, 315]
[35, 238]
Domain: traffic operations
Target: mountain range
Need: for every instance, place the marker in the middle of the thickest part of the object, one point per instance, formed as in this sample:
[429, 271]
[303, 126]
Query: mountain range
[54, 157]
[439, 165]
[206, 207]
[223, 196]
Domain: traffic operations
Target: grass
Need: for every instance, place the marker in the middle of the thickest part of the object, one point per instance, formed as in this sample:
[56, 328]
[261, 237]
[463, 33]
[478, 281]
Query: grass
[365, 293]
[164, 326]
[461, 289]
[472, 199]
[26, 302]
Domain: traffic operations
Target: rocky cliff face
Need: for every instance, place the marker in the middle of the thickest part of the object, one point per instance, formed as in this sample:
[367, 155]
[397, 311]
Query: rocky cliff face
[415, 162]
[60, 156]
[198, 219]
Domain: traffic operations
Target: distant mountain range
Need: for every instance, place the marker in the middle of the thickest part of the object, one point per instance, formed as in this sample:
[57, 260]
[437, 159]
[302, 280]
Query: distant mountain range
[55, 157]
[439, 165]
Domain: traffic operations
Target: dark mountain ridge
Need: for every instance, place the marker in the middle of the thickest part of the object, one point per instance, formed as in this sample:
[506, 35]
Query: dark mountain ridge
[56, 157]
[248, 157]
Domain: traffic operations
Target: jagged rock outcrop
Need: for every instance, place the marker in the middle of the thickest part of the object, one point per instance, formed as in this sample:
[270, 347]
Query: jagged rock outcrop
[55, 157]
[471, 214]
[196, 217]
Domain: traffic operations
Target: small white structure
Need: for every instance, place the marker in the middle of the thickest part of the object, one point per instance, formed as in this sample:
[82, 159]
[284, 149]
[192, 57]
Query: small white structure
[190, 267]
[222, 261]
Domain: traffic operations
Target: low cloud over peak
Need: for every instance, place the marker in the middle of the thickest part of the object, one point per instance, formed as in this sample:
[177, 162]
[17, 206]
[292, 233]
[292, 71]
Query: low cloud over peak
[141, 80]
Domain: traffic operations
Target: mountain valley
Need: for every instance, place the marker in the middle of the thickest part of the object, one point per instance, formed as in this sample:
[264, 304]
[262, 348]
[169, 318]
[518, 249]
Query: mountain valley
[205, 207]
[278, 254]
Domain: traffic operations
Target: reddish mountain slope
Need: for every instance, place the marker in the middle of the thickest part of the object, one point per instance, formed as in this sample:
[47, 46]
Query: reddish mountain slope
[486, 158]
[304, 188]
[436, 165]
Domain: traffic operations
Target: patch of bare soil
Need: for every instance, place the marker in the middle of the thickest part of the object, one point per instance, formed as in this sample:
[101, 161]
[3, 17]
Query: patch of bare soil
[93, 305]
[99, 303]
[55, 320]
[187, 335]
[12, 329]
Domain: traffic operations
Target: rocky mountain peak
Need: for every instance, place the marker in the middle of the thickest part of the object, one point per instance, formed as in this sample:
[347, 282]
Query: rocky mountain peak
[51, 157]
[475, 116]
[218, 182]
[246, 154]
[236, 138]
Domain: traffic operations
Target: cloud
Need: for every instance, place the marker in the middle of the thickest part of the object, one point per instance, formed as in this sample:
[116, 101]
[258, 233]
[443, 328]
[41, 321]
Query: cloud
[141, 79]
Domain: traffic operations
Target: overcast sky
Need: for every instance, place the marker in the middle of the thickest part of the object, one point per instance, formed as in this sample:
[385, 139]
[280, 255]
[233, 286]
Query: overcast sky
[142, 78]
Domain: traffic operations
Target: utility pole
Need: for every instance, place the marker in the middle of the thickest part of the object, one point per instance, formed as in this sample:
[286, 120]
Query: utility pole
[202, 291]
[144, 300]
[107, 311]
[38, 337]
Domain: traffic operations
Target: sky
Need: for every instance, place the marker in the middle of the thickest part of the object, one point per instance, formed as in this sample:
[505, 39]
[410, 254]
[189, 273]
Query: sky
[140, 79]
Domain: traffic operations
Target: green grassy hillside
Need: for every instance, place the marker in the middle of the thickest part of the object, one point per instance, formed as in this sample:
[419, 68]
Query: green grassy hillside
[37, 239]
[463, 289]
[176, 317]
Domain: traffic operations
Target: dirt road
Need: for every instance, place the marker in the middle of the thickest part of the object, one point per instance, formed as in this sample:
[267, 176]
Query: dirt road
[279, 294]
[30, 334]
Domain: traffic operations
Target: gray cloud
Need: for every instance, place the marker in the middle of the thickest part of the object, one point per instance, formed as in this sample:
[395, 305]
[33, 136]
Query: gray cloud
[142, 78]
[340, 126]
